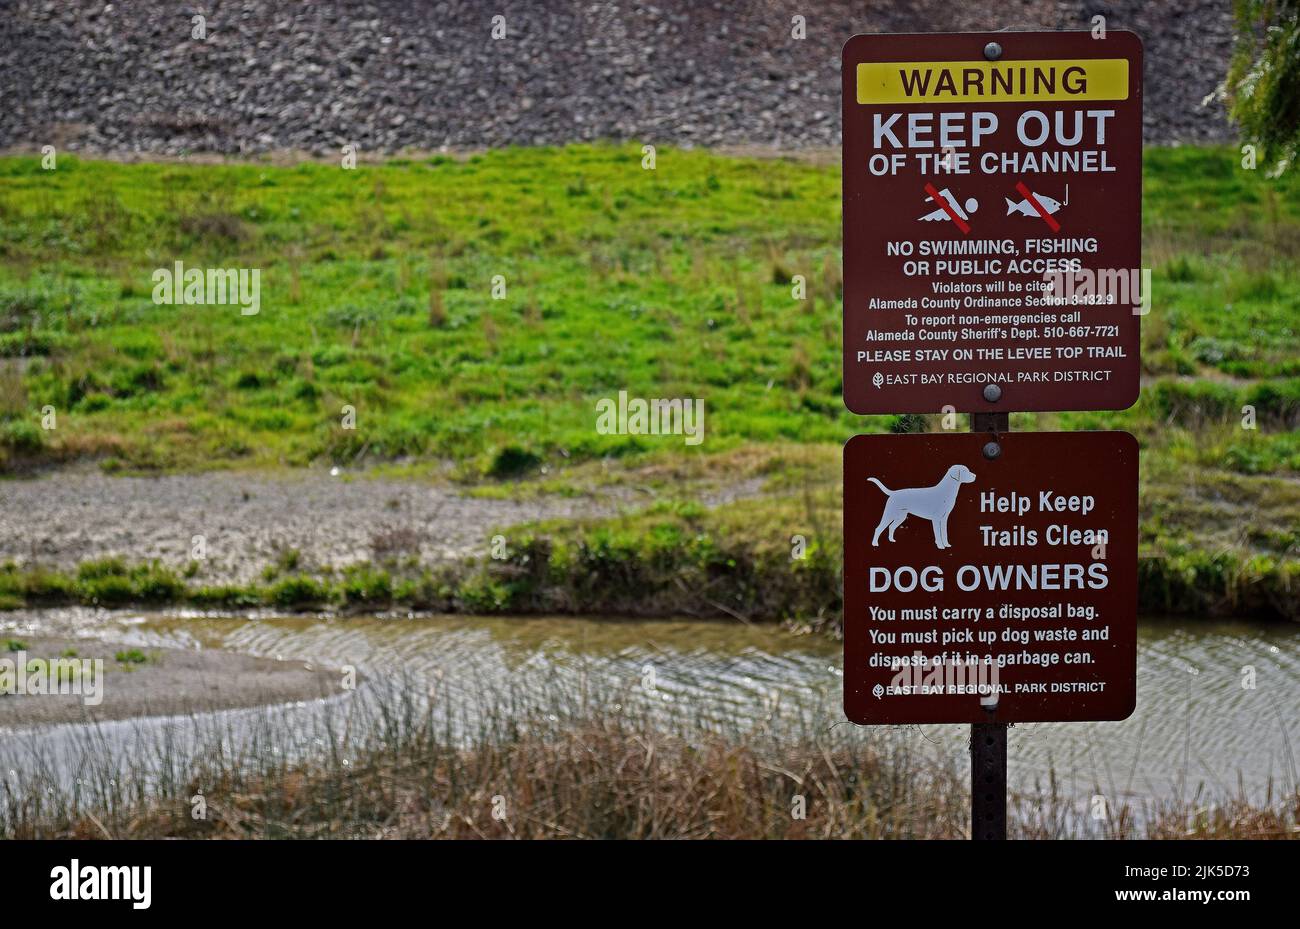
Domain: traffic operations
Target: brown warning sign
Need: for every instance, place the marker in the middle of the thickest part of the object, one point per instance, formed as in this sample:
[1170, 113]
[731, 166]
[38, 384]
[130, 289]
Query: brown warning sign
[992, 222]
[982, 589]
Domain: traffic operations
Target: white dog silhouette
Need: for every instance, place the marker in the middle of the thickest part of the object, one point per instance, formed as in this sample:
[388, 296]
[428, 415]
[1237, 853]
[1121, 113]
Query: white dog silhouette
[934, 503]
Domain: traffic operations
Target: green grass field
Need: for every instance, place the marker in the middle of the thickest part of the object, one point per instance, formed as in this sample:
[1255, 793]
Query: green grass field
[377, 293]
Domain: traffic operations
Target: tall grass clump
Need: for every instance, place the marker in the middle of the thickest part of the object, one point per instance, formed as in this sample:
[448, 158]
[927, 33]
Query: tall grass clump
[400, 759]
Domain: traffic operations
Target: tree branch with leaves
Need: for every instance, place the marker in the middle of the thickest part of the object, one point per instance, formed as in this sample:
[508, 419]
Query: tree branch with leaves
[1262, 87]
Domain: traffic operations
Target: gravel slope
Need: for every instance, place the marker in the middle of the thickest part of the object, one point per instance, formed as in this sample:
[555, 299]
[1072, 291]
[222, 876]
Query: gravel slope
[249, 521]
[127, 77]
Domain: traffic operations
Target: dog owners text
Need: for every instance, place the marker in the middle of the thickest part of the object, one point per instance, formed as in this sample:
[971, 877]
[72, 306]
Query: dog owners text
[905, 579]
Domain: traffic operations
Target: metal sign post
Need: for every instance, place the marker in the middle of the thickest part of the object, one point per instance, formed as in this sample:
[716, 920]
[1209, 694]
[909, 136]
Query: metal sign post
[990, 578]
[992, 261]
[988, 781]
[988, 741]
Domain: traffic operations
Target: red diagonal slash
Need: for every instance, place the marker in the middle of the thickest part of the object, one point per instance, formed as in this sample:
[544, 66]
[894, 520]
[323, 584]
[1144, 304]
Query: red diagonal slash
[934, 195]
[1047, 217]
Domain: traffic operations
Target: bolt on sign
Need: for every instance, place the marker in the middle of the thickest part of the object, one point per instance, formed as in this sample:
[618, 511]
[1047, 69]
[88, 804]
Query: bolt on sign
[990, 590]
[992, 221]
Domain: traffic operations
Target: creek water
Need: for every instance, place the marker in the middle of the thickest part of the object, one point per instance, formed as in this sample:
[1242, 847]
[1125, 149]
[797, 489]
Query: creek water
[1196, 725]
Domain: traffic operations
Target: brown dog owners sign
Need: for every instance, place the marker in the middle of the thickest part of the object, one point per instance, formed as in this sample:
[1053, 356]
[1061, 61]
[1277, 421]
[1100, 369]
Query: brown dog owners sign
[992, 222]
[990, 590]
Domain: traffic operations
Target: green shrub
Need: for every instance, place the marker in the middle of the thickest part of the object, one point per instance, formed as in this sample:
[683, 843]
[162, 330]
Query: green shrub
[298, 591]
[22, 437]
[513, 461]
[364, 585]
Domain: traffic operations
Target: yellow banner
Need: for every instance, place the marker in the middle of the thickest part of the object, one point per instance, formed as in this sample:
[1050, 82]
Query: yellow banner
[992, 81]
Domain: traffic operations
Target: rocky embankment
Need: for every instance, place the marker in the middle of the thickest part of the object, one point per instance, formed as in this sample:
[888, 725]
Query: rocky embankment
[131, 77]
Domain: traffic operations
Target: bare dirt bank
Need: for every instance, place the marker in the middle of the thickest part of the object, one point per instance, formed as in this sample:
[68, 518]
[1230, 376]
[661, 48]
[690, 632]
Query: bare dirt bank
[159, 682]
[247, 521]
